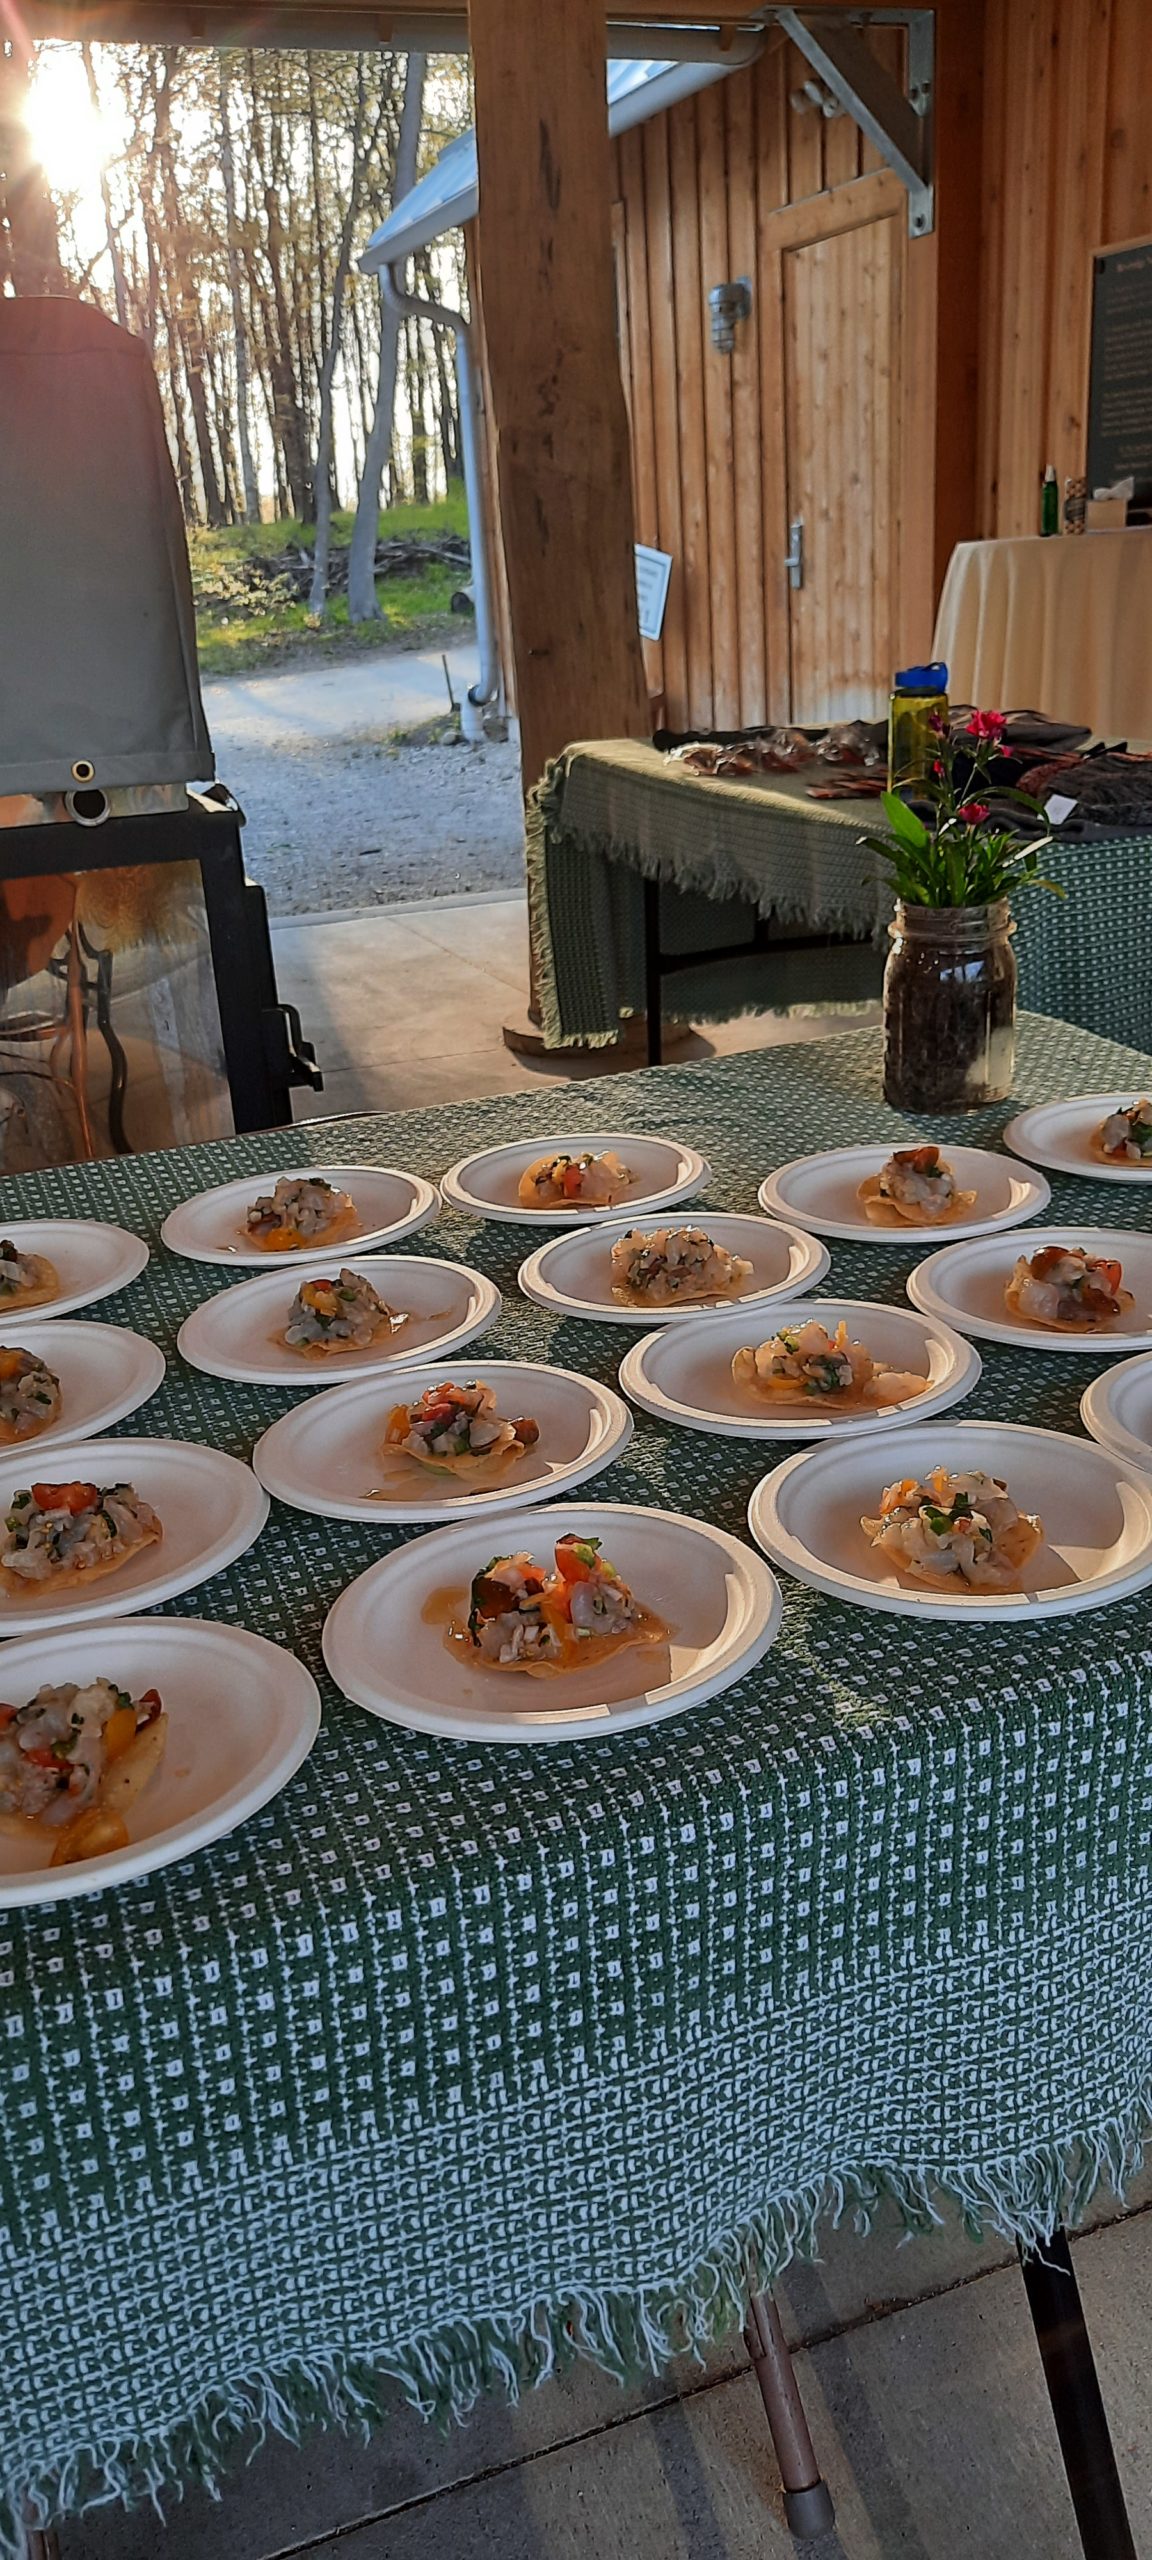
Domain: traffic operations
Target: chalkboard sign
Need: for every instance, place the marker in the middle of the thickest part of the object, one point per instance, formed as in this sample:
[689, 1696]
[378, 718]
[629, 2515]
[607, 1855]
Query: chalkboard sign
[1120, 379]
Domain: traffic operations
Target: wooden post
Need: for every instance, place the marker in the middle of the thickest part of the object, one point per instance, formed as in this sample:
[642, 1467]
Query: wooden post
[941, 336]
[559, 425]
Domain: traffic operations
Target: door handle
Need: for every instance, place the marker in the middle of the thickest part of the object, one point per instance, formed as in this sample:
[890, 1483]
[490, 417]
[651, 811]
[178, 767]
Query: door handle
[794, 555]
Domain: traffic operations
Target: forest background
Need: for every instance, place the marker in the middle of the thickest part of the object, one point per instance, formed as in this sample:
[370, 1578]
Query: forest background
[215, 202]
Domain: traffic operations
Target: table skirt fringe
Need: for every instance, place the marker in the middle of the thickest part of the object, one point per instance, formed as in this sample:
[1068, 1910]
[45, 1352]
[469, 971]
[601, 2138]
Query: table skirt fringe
[632, 2334]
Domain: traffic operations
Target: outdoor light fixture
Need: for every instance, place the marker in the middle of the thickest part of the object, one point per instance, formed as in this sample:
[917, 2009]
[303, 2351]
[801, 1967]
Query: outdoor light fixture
[729, 303]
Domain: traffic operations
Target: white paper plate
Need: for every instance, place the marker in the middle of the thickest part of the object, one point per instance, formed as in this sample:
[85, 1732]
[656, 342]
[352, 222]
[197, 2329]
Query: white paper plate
[92, 1260]
[1117, 1410]
[662, 1172]
[1097, 1516]
[243, 1715]
[684, 1375]
[105, 1372]
[231, 1335]
[211, 1508]
[965, 1286]
[210, 1226]
[1059, 1135]
[572, 1274]
[821, 1192]
[721, 1603]
[326, 1454]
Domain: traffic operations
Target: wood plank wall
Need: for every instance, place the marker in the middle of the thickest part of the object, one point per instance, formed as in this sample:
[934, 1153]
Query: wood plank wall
[697, 188]
[1068, 167]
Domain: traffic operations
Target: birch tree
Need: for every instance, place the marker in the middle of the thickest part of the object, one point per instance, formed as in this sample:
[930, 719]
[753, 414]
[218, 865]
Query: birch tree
[363, 605]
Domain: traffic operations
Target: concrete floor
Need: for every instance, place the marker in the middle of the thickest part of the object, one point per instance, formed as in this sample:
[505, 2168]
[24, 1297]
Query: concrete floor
[406, 1007]
[923, 2390]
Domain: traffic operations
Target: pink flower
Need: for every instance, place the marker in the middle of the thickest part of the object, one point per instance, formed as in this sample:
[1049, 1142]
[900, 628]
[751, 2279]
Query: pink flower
[986, 724]
[973, 812]
[937, 721]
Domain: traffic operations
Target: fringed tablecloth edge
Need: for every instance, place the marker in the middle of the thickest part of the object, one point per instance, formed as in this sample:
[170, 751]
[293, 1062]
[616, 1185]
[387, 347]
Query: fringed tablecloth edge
[629, 2335]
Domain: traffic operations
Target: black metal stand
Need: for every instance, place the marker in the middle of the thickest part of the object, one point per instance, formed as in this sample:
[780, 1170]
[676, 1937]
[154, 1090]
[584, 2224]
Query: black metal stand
[1077, 2406]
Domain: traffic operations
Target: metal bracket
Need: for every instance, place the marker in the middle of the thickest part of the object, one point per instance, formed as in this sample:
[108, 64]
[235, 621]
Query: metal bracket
[900, 127]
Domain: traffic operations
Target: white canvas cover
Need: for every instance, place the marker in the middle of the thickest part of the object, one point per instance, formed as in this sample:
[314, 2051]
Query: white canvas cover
[97, 636]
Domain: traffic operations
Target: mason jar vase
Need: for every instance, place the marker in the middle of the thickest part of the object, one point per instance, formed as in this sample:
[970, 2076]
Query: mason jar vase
[949, 1007]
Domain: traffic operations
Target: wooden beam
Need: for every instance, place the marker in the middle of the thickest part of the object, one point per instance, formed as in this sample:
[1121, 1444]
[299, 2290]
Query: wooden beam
[942, 336]
[430, 24]
[559, 422]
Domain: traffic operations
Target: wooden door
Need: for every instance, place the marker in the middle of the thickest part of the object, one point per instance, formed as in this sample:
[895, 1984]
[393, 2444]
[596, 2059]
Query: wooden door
[841, 356]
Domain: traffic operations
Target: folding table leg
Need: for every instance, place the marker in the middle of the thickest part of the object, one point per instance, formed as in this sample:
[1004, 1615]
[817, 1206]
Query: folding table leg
[653, 993]
[808, 2507]
[1077, 2406]
[41, 2542]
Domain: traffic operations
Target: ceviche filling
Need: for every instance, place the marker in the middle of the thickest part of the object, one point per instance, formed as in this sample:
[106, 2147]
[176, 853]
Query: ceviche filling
[675, 1263]
[29, 1394]
[458, 1426]
[806, 1361]
[916, 1184]
[1062, 1285]
[298, 1213]
[345, 1311]
[571, 1180]
[55, 1751]
[75, 1528]
[955, 1528]
[1125, 1137]
[523, 1614]
[24, 1273]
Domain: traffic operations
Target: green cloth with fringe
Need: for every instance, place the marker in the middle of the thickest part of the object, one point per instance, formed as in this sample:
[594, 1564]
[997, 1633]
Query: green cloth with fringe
[455, 2063]
[608, 815]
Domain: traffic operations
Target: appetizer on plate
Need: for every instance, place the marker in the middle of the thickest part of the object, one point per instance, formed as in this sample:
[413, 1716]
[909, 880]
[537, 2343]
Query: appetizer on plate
[29, 1395]
[524, 1616]
[26, 1279]
[955, 1528]
[1067, 1290]
[345, 1314]
[59, 1535]
[72, 1761]
[916, 1185]
[457, 1431]
[571, 1182]
[299, 1213]
[806, 1364]
[1125, 1137]
[672, 1266]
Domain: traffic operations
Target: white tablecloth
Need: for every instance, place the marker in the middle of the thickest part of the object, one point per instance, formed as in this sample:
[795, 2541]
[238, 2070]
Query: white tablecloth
[1061, 624]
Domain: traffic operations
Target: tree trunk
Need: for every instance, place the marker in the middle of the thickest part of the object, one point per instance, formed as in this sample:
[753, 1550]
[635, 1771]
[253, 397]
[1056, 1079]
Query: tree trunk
[115, 260]
[362, 600]
[362, 148]
[239, 323]
[29, 244]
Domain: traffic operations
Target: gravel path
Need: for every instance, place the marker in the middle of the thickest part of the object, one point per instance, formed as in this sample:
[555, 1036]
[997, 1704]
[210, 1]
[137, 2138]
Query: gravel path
[338, 815]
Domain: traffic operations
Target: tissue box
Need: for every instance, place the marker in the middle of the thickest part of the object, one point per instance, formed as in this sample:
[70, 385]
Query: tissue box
[1101, 514]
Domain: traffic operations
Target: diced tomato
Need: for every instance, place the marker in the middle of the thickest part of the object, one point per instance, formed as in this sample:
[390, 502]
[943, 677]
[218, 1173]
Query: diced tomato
[65, 1497]
[570, 1181]
[42, 1758]
[575, 1558]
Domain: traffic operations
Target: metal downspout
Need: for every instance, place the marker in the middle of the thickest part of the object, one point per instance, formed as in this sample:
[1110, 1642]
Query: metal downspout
[487, 686]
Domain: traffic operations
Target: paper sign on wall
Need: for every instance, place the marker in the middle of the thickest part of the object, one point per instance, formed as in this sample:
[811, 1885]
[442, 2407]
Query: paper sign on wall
[653, 570]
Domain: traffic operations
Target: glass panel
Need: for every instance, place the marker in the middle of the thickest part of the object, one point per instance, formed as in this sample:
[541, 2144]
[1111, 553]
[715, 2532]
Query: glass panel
[109, 1025]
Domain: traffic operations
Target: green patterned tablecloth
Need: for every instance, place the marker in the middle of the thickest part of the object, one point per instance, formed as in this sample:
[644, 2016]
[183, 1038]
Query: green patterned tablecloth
[453, 2063]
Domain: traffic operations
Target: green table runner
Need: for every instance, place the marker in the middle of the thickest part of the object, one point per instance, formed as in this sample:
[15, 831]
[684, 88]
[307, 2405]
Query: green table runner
[454, 2062]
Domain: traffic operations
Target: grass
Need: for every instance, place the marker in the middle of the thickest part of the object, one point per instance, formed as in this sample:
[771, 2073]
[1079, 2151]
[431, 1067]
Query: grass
[244, 621]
